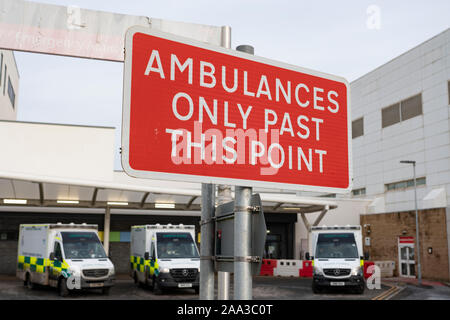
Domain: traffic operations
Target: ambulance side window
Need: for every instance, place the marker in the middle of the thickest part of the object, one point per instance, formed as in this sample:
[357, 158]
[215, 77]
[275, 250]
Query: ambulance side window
[57, 251]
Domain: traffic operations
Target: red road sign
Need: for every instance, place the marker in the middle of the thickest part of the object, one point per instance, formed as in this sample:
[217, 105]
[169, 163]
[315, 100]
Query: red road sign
[406, 239]
[201, 113]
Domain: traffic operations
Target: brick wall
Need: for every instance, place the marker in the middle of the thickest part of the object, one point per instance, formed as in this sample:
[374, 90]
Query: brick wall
[387, 227]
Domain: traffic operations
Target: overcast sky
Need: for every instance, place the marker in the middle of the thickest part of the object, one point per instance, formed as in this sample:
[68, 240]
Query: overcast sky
[337, 37]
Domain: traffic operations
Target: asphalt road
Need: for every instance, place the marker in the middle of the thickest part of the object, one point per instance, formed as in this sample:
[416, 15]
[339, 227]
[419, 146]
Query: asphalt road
[414, 292]
[264, 288]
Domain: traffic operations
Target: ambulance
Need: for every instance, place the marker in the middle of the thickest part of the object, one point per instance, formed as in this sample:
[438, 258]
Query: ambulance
[65, 256]
[164, 256]
[337, 257]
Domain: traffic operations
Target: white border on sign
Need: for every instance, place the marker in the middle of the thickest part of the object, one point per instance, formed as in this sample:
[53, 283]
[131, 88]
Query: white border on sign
[209, 179]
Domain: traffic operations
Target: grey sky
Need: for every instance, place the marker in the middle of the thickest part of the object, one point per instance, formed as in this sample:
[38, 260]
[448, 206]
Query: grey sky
[329, 36]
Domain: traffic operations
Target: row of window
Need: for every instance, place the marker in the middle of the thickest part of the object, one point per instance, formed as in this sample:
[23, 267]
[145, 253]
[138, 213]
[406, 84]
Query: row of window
[400, 111]
[405, 184]
[3, 74]
[394, 186]
[359, 192]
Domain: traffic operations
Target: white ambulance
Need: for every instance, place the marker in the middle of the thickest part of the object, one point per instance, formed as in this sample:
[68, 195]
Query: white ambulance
[65, 256]
[164, 256]
[337, 255]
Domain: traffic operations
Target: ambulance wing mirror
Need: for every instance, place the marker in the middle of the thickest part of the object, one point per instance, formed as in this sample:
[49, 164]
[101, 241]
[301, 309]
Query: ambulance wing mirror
[52, 256]
[366, 255]
[307, 257]
[147, 256]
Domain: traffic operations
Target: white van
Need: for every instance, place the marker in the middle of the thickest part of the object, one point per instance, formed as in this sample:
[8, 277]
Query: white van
[64, 256]
[164, 256]
[337, 257]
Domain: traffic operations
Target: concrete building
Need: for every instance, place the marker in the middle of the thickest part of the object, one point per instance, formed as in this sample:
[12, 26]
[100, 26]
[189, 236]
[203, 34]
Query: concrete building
[9, 85]
[400, 111]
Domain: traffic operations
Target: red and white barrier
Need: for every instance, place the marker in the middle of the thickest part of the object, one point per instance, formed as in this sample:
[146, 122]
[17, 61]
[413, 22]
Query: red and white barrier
[307, 269]
[267, 267]
[287, 268]
[367, 264]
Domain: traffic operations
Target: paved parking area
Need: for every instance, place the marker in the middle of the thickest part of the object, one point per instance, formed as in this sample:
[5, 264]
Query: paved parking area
[264, 288]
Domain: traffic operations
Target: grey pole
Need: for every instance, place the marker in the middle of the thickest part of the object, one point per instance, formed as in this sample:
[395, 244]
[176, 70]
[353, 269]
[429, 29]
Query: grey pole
[206, 243]
[106, 229]
[419, 266]
[223, 196]
[242, 244]
[223, 278]
[242, 232]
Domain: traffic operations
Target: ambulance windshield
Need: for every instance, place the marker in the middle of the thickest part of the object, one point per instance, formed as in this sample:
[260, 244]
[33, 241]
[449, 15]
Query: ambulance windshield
[82, 245]
[175, 245]
[336, 245]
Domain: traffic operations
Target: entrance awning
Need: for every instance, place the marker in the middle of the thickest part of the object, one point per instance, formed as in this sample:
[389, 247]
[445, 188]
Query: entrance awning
[126, 193]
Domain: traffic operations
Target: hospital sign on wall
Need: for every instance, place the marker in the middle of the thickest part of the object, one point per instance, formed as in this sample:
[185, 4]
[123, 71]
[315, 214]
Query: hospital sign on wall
[201, 113]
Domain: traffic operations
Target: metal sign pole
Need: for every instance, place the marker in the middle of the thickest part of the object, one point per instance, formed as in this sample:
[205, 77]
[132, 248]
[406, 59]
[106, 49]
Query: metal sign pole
[223, 278]
[243, 232]
[242, 244]
[224, 195]
[207, 243]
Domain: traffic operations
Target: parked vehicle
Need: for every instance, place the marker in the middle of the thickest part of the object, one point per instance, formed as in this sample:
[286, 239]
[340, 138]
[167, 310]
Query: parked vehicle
[164, 256]
[337, 257]
[64, 256]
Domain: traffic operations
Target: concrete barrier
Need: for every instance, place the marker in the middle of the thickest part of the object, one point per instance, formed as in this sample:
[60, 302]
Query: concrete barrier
[288, 268]
[386, 268]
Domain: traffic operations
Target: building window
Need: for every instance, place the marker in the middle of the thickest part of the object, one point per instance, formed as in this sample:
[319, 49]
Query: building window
[390, 115]
[11, 93]
[328, 195]
[448, 85]
[357, 128]
[359, 192]
[401, 111]
[405, 184]
[411, 107]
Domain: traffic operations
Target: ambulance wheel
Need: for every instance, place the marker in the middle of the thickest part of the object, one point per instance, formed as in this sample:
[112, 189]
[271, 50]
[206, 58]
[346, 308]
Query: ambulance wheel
[360, 289]
[136, 280]
[62, 288]
[316, 289]
[30, 285]
[156, 287]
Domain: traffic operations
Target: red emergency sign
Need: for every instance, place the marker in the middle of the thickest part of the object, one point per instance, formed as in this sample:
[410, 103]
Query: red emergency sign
[201, 113]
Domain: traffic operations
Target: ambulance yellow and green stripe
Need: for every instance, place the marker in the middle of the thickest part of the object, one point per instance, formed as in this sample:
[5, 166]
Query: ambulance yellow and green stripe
[140, 264]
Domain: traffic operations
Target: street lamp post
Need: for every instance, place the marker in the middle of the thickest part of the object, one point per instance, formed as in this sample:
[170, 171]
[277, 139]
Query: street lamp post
[419, 268]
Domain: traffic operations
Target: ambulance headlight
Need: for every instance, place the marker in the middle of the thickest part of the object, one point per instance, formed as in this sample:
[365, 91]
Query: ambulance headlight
[165, 270]
[112, 272]
[74, 271]
[357, 271]
[317, 271]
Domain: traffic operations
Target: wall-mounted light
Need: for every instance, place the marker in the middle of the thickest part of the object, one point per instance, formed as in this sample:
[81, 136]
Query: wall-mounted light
[68, 201]
[14, 201]
[116, 203]
[162, 205]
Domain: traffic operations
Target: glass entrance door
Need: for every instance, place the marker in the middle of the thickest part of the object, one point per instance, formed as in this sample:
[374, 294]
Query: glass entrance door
[407, 263]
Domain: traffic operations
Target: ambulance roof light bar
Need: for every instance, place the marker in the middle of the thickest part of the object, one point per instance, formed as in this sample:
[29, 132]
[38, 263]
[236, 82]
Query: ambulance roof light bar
[347, 227]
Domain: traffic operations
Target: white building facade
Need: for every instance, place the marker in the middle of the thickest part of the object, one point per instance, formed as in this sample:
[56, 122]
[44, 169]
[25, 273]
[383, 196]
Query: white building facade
[400, 111]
